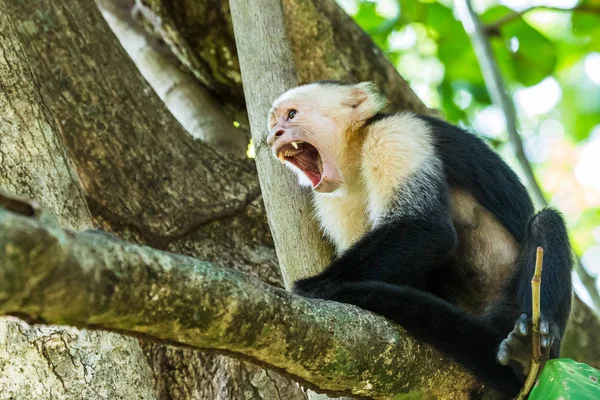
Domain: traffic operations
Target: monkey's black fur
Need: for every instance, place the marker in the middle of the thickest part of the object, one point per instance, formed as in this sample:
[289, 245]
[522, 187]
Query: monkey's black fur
[402, 268]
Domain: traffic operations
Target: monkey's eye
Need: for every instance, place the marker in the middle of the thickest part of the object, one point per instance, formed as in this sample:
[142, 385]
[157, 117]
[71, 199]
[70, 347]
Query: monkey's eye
[291, 114]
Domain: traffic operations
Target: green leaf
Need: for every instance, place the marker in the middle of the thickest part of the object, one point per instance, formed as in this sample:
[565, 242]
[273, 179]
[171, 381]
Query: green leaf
[452, 112]
[587, 26]
[522, 51]
[566, 379]
[376, 25]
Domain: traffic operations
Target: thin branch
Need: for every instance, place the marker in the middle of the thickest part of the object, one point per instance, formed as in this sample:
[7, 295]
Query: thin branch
[536, 353]
[493, 27]
[497, 90]
[500, 97]
[96, 281]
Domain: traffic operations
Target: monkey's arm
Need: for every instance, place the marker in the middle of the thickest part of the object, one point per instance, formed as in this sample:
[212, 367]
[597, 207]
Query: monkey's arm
[414, 236]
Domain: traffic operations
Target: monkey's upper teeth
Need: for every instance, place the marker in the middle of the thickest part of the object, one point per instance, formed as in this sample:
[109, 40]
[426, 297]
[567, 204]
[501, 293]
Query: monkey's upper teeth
[295, 145]
[291, 153]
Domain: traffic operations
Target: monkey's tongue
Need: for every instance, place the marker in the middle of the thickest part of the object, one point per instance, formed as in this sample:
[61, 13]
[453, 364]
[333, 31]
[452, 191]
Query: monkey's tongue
[309, 161]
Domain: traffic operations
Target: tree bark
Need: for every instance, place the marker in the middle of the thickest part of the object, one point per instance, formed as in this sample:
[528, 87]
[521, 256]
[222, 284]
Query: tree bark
[325, 42]
[263, 46]
[191, 104]
[93, 279]
[46, 362]
[147, 180]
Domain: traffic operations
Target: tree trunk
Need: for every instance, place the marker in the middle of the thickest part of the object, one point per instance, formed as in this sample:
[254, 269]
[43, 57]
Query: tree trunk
[147, 180]
[44, 362]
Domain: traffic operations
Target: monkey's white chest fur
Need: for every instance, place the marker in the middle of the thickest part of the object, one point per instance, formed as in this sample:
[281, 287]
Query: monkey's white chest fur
[394, 149]
[343, 218]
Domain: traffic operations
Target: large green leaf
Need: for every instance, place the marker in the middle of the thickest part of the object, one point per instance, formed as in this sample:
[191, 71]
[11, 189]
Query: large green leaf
[587, 26]
[567, 379]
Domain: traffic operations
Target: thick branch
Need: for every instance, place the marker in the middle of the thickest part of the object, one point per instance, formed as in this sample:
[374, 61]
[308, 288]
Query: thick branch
[94, 280]
[138, 167]
[191, 104]
[263, 46]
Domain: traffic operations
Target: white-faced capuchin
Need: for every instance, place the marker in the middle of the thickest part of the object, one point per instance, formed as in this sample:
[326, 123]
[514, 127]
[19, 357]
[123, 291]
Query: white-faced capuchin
[432, 229]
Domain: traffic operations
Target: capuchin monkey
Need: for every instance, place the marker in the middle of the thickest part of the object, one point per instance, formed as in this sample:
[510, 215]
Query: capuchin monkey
[432, 229]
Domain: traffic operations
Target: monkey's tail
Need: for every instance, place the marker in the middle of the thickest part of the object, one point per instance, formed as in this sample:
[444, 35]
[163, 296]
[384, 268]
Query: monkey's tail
[547, 229]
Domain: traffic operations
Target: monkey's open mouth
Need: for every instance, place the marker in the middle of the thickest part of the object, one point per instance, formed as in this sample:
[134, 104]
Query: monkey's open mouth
[305, 157]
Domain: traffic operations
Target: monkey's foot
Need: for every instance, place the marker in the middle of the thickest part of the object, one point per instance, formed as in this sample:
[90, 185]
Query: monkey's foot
[517, 345]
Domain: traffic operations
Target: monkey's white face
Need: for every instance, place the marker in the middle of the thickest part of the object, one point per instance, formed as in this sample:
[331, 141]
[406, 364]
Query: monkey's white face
[309, 127]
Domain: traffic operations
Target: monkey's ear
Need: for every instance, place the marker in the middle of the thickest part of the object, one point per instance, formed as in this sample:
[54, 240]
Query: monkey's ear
[365, 101]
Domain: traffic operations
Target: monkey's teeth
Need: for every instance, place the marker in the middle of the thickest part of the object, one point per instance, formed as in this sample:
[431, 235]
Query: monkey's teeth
[295, 145]
[291, 153]
[281, 157]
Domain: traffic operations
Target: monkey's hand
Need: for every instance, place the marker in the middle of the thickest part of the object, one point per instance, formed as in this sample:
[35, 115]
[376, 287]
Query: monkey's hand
[518, 344]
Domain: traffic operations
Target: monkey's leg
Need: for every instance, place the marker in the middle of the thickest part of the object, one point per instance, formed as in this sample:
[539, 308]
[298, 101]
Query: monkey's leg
[461, 336]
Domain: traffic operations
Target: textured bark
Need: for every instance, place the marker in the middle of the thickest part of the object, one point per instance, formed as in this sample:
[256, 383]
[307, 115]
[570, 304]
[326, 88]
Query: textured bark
[93, 279]
[137, 165]
[263, 45]
[147, 180]
[51, 362]
[326, 44]
[191, 104]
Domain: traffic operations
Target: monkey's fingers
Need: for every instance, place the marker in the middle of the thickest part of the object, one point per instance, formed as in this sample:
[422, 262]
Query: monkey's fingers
[514, 348]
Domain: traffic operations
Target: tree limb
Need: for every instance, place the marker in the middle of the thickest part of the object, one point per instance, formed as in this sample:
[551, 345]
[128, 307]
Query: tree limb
[138, 167]
[191, 104]
[94, 280]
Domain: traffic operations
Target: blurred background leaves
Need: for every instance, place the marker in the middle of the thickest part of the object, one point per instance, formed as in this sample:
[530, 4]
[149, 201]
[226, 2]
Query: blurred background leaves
[549, 55]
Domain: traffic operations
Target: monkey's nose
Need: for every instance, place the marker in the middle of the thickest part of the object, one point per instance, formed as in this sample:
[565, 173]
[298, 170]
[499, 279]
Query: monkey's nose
[272, 136]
